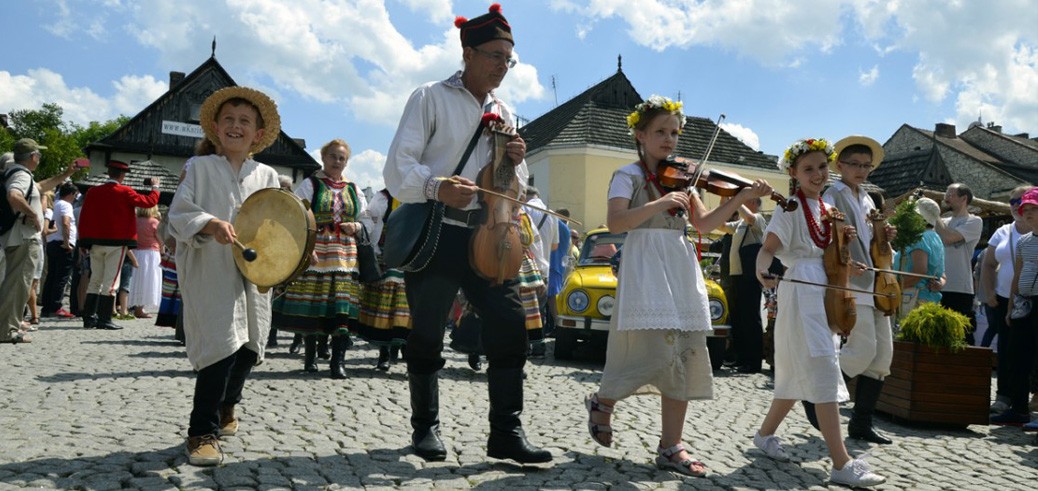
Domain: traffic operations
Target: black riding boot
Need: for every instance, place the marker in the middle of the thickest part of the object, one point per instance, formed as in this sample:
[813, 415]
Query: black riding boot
[339, 356]
[310, 354]
[425, 416]
[89, 311]
[507, 440]
[865, 398]
[104, 313]
[809, 411]
[297, 342]
[383, 358]
[322, 347]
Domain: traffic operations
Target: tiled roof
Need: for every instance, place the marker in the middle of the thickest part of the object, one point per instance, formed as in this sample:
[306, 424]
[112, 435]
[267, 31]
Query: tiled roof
[135, 179]
[1018, 156]
[598, 117]
[902, 173]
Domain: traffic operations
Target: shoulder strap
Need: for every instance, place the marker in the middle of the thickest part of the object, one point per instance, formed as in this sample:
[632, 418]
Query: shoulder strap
[544, 216]
[468, 150]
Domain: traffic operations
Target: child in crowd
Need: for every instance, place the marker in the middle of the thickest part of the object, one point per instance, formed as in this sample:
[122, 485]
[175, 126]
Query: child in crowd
[226, 319]
[657, 338]
[806, 363]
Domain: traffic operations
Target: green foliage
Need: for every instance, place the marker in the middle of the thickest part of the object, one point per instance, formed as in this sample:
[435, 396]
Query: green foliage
[935, 326]
[910, 225]
[64, 140]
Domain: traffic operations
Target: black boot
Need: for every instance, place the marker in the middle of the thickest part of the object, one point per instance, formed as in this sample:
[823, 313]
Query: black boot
[394, 354]
[310, 354]
[297, 342]
[383, 359]
[104, 313]
[809, 411]
[507, 440]
[338, 371]
[425, 416]
[272, 337]
[865, 398]
[322, 347]
[89, 311]
[474, 363]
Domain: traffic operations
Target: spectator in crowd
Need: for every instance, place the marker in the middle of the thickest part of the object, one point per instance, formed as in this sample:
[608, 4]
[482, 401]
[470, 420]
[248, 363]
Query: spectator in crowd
[146, 286]
[557, 272]
[960, 233]
[61, 253]
[925, 256]
[48, 228]
[747, 329]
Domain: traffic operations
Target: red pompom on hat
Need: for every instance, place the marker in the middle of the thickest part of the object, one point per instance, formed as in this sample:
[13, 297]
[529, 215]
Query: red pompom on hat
[487, 27]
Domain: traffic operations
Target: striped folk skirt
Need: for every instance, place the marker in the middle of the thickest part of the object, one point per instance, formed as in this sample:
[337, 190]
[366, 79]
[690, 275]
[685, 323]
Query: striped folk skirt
[169, 306]
[325, 299]
[385, 318]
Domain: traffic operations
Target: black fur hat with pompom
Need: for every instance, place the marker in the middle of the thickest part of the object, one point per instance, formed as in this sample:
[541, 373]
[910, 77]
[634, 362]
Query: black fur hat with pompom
[487, 27]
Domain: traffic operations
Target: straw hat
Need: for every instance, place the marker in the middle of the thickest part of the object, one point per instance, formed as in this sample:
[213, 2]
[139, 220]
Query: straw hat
[877, 150]
[267, 108]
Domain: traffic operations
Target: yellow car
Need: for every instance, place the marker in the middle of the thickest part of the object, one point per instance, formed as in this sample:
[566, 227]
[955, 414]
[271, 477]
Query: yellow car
[586, 301]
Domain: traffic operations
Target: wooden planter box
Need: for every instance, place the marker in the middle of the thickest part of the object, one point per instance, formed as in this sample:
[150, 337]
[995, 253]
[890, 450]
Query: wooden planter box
[929, 386]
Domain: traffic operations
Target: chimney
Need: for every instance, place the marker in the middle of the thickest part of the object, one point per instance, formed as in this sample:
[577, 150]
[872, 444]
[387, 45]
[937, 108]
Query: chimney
[175, 78]
[1022, 135]
[997, 128]
[301, 142]
[945, 130]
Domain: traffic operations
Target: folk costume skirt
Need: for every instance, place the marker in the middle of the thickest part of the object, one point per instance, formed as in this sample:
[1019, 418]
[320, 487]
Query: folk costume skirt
[146, 284]
[385, 318]
[325, 299]
[169, 306]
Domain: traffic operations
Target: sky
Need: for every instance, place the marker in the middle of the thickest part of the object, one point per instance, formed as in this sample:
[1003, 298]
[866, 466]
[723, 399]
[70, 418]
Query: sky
[778, 69]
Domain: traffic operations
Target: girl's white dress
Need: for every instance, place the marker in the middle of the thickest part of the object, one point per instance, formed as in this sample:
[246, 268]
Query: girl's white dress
[657, 334]
[806, 363]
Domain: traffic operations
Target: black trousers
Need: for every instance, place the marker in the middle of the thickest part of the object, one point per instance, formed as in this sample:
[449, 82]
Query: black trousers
[59, 271]
[1023, 344]
[431, 292]
[218, 384]
[963, 304]
[997, 325]
[747, 328]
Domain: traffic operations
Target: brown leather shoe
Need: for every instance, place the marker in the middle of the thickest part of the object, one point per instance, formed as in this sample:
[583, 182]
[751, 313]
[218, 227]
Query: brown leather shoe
[204, 450]
[228, 423]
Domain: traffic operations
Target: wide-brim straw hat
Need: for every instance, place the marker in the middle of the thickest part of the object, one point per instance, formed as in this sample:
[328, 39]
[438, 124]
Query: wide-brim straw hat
[877, 150]
[268, 110]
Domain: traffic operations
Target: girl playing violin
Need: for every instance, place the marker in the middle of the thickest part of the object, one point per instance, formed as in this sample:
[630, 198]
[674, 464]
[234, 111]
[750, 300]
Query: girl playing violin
[806, 363]
[657, 338]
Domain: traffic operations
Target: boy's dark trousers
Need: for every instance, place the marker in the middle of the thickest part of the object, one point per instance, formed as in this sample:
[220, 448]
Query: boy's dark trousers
[219, 384]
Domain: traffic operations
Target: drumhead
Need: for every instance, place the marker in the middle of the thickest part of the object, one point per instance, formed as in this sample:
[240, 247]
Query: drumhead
[278, 225]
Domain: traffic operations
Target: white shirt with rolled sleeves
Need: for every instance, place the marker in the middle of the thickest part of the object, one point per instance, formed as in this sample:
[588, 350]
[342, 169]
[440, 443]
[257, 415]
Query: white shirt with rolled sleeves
[435, 128]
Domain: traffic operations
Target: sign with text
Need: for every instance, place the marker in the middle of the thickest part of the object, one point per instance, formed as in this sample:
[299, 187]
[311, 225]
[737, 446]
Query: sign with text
[181, 129]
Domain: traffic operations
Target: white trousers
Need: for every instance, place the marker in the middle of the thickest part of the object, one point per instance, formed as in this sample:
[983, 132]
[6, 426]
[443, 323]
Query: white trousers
[106, 265]
[870, 348]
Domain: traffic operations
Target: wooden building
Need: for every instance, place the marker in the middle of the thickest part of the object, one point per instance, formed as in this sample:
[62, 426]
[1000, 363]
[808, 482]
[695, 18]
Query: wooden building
[158, 140]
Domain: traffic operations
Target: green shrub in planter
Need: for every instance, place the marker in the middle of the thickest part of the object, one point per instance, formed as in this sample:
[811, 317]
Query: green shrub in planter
[935, 326]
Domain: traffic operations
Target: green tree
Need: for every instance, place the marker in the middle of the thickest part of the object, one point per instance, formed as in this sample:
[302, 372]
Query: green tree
[64, 140]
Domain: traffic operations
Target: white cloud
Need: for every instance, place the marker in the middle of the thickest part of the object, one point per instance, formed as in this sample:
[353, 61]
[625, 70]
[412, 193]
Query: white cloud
[869, 77]
[365, 169]
[40, 86]
[744, 134]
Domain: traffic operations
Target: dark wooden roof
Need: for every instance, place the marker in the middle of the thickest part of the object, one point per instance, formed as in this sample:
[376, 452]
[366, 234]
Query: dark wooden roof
[598, 117]
[143, 133]
[135, 179]
[902, 173]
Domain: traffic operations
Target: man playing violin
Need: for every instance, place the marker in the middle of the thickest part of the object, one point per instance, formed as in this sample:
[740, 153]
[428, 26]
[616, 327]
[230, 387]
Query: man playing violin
[437, 124]
[869, 348]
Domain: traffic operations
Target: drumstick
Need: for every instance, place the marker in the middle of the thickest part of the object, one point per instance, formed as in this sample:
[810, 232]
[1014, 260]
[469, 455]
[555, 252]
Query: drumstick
[246, 253]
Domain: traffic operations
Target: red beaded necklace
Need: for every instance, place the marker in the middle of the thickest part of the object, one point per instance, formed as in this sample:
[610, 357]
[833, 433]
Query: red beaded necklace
[819, 235]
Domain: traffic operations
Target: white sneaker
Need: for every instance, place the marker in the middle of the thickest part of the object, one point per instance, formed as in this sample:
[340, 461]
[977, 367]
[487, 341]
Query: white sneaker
[771, 445]
[856, 473]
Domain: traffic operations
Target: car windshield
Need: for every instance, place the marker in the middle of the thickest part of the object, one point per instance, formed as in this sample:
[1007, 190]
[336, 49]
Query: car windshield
[598, 249]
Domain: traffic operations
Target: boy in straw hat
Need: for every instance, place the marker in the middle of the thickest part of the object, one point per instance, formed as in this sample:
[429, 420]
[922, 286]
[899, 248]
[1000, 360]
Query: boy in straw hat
[439, 121]
[226, 319]
[869, 349]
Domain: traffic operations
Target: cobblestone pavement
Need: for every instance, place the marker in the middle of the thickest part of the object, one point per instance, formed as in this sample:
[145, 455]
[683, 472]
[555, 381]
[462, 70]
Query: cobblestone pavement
[108, 409]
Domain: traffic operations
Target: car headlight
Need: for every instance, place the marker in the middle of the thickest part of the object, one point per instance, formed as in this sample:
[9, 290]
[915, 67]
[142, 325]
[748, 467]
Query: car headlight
[605, 305]
[716, 310]
[578, 301]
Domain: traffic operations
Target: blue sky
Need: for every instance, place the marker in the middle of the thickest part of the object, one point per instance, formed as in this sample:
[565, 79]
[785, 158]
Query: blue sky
[779, 69]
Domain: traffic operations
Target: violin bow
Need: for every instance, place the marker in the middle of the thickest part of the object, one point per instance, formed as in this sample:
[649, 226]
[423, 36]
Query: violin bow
[709, 148]
[824, 285]
[509, 198]
[902, 273]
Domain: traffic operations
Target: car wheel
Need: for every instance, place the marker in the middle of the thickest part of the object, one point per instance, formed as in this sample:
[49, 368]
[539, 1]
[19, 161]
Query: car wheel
[565, 343]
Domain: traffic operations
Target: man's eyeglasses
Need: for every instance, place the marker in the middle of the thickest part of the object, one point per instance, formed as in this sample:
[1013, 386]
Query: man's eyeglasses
[499, 58]
[864, 167]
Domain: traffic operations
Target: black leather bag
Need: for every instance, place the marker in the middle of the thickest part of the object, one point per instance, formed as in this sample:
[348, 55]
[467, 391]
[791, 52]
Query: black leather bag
[367, 261]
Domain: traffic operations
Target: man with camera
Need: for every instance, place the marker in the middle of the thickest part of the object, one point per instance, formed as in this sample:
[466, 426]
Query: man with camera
[107, 228]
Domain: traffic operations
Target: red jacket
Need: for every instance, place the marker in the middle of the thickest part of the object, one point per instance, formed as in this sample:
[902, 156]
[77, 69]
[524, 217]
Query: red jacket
[109, 215]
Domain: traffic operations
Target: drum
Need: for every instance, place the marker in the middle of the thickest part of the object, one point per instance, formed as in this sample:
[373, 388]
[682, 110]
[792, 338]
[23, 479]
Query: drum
[280, 228]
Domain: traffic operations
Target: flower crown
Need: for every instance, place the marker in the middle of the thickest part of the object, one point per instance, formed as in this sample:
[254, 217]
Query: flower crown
[655, 102]
[801, 147]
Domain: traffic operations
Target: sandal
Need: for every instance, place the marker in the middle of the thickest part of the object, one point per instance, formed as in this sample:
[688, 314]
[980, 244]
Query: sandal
[597, 430]
[689, 467]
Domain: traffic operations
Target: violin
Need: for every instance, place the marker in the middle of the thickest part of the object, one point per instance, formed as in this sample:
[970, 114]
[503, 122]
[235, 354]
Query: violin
[677, 174]
[496, 249]
[883, 258]
[839, 303]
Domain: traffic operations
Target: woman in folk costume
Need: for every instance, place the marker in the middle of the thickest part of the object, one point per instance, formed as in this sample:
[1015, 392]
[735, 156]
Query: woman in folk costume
[807, 367]
[531, 280]
[657, 334]
[325, 299]
[385, 318]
